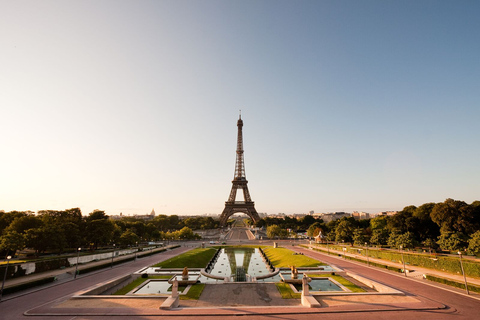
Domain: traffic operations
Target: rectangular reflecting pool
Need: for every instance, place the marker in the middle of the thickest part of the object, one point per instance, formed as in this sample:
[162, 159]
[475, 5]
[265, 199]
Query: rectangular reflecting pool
[157, 287]
[319, 284]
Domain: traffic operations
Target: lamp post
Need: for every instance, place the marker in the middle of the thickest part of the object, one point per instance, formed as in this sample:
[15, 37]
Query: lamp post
[113, 254]
[76, 266]
[368, 261]
[463, 272]
[136, 244]
[344, 251]
[5, 277]
[403, 260]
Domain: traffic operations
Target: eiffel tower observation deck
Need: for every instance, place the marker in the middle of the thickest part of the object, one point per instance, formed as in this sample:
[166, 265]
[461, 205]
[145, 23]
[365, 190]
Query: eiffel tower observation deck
[239, 182]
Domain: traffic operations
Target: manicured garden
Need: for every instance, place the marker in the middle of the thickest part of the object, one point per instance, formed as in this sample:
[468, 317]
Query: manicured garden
[284, 258]
[196, 258]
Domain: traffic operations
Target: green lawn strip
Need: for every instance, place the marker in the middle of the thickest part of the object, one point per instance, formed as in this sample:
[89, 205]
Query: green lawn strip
[135, 283]
[284, 258]
[286, 291]
[344, 282]
[196, 258]
[194, 292]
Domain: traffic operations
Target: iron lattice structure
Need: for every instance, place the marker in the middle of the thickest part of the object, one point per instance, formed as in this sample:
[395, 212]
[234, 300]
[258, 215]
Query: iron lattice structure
[239, 182]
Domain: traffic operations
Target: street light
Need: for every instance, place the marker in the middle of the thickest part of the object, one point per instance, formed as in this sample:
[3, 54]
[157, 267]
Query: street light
[368, 261]
[344, 251]
[403, 260]
[76, 266]
[113, 253]
[5, 277]
[463, 272]
[136, 244]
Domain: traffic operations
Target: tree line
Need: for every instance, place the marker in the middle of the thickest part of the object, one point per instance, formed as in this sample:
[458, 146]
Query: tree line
[450, 225]
[58, 231]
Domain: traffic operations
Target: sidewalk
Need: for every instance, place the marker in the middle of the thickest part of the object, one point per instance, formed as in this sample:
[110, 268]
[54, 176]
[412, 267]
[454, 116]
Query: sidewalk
[412, 271]
[67, 273]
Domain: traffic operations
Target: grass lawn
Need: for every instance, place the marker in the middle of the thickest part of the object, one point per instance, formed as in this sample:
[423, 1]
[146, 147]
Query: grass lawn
[11, 262]
[194, 292]
[286, 292]
[135, 283]
[196, 258]
[284, 258]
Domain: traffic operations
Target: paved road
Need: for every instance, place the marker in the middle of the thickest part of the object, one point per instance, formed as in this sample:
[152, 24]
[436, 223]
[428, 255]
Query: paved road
[13, 308]
[238, 234]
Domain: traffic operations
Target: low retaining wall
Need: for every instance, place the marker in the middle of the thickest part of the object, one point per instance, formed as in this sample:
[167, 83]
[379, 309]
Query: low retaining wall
[103, 286]
[381, 288]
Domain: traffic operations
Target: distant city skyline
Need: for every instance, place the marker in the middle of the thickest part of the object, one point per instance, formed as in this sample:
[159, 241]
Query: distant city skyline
[125, 106]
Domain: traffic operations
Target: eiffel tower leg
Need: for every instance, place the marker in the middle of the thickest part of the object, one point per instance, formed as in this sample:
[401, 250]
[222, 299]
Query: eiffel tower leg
[227, 212]
[252, 213]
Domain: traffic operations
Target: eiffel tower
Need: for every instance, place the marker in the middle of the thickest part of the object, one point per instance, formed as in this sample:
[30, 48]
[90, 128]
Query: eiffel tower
[239, 182]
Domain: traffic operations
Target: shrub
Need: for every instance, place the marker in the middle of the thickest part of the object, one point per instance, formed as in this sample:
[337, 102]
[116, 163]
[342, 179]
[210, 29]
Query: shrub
[28, 285]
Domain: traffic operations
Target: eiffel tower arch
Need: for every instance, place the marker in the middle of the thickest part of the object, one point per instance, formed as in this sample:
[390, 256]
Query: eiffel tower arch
[239, 182]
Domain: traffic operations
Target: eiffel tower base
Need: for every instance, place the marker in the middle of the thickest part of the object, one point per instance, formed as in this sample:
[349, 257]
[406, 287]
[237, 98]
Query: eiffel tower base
[235, 207]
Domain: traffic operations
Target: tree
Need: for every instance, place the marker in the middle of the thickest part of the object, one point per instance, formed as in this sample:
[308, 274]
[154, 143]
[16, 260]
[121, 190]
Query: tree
[98, 229]
[11, 240]
[23, 223]
[359, 237]
[128, 238]
[186, 234]
[452, 216]
[431, 244]
[273, 231]
[379, 236]
[392, 239]
[451, 241]
[379, 222]
[474, 244]
[406, 240]
[314, 230]
[344, 230]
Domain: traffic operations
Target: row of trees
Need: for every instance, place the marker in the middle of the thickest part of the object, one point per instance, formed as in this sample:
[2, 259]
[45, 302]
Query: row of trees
[51, 230]
[450, 225]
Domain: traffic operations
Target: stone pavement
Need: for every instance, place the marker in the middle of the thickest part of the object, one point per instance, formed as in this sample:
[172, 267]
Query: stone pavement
[240, 294]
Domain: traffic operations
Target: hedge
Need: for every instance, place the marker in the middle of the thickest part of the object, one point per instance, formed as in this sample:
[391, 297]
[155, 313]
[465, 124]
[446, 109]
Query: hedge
[27, 285]
[453, 283]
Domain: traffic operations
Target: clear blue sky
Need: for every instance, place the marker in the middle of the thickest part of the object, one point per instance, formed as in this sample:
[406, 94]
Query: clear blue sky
[126, 106]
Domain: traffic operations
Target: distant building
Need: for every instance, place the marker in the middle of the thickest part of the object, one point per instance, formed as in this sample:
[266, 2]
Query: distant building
[360, 215]
[387, 213]
[146, 217]
[331, 216]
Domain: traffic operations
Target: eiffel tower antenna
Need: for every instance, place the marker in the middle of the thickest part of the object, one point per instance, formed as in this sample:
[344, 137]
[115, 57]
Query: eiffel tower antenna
[239, 182]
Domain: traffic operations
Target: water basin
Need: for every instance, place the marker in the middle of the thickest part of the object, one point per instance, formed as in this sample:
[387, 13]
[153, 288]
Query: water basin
[156, 287]
[319, 284]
